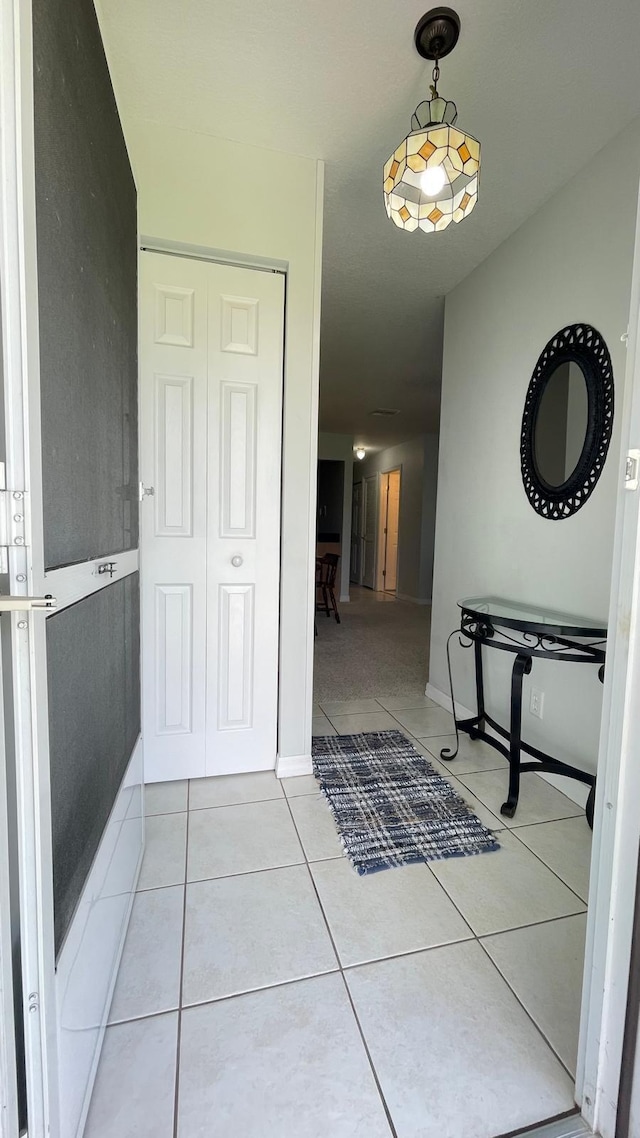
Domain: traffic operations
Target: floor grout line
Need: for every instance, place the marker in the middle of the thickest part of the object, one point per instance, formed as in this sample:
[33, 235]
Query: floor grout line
[341, 969]
[542, 861]
[358, 964]
[346, 987]
[176, 1100]
[528, 1013]
[479, 940]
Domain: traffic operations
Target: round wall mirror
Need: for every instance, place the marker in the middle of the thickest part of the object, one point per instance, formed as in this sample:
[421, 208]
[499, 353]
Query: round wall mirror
[567, 421]
[561, 423]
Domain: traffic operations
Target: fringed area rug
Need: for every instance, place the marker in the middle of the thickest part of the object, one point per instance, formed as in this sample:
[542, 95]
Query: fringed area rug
[390, 806]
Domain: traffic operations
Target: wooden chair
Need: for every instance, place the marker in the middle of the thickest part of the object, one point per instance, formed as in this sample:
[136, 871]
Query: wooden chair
[326, 571]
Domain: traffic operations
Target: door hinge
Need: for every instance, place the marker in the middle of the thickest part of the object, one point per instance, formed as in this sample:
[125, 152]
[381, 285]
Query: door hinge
[145, 491]
[632, 470]
[12, 520]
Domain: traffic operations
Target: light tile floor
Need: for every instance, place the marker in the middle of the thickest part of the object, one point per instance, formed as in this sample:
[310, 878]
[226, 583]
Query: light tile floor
[267, 991]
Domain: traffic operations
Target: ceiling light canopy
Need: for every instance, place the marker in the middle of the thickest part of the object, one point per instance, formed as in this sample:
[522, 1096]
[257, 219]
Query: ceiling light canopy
[431, 179]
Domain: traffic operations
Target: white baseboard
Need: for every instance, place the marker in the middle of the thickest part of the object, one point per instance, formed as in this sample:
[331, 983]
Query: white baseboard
[345, 599]
[290, 766]
[414, 600]
[88, 963]
[577, 791]
[444, 700]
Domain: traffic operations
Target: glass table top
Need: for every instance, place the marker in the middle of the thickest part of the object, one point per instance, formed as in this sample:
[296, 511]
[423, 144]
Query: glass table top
[513, 614]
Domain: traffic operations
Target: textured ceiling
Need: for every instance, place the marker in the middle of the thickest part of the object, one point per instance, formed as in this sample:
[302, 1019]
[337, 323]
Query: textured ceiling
[542, 83]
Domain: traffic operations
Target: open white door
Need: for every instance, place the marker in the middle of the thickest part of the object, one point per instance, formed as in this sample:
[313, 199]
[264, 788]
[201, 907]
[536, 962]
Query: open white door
[22, 569]
[211, 349]
[392, 522]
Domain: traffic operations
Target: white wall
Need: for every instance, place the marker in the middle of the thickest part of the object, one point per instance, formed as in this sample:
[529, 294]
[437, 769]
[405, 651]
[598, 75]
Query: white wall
[429, 490]
[213, 194]
[570, 262]
[340, 448]
[418, 460]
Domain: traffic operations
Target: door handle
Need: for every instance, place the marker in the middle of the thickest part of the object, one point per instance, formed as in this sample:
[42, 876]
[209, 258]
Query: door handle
[236, 561]
[25, 604]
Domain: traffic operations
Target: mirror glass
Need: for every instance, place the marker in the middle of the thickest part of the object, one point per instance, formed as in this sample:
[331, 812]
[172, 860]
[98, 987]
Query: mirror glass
[561, 423]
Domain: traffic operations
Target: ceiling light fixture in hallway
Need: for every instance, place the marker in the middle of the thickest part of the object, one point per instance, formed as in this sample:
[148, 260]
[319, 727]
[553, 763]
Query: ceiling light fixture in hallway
[431, 179]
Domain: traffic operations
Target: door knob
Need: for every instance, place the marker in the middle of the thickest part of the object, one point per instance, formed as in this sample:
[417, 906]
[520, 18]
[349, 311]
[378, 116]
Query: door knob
[236, 561]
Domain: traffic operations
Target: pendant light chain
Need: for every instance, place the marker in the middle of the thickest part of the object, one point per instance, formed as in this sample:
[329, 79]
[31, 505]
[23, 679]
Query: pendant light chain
[435, 76]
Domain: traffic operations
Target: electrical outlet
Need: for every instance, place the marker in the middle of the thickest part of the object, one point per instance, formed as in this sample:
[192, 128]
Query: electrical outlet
[536, 702]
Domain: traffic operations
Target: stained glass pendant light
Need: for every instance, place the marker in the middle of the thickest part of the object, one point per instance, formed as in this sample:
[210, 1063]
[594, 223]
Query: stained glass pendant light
[431, 179]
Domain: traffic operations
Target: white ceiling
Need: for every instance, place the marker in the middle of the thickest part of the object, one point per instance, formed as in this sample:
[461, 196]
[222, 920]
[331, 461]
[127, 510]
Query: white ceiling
[542, 83]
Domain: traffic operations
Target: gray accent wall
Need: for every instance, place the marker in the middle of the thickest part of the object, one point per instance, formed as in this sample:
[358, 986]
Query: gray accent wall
[87, 291]
[93, 665]
[87, 265]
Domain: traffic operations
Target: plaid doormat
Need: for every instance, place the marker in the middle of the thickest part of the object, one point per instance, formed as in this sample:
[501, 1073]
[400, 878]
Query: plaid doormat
[389, 805]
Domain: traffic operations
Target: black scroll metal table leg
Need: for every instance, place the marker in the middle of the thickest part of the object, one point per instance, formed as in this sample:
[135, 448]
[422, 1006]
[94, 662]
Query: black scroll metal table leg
[477, 648]
[521, 667]
[590, 805]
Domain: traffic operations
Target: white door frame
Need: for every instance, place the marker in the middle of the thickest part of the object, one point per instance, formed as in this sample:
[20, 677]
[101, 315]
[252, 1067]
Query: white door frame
[9, 1112]
[21, 364]
[381, 536]
[617, 819]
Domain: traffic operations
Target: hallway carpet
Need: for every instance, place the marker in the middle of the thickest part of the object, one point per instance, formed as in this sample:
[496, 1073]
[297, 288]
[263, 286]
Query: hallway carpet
[381, 645]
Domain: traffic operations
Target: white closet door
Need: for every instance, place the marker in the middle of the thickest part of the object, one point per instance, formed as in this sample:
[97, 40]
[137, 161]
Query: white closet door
[173, 516]
[246, 310]
[211, 447]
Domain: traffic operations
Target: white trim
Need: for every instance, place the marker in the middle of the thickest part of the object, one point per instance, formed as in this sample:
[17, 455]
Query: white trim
[617, 822]
[572, 1127]
[289, 766]
[74, 582]
[90, 956]
[444, 700]
[313, 486]
[8, 1067]
[345, 599]
[203, 253]
[21, 356]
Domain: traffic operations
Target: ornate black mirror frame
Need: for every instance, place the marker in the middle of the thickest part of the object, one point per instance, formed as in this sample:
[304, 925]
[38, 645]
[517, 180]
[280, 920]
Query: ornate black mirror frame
[585, 346]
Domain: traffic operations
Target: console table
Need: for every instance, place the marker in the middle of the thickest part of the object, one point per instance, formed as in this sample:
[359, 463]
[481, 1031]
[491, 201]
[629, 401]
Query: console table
[526, 632]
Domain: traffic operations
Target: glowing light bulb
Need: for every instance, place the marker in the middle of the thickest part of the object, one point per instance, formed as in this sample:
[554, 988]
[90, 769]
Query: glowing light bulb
[433, 180]
[360, 453]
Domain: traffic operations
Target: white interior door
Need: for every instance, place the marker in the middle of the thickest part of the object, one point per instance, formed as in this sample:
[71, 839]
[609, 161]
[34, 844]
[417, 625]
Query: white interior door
[211, 453]
[392, 528]
[370, 531]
